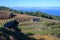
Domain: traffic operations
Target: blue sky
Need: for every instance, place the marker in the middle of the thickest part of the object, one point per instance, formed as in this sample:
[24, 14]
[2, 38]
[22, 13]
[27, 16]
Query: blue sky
[30, 3]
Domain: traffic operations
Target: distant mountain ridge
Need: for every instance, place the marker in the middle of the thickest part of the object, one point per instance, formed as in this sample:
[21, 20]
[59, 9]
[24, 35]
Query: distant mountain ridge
[49, 10]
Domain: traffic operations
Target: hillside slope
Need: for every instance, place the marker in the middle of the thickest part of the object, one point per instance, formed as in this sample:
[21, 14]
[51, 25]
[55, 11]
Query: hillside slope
[47, 27]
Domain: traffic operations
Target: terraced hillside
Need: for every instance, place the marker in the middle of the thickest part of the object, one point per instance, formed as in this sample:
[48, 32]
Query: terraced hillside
[43, 30]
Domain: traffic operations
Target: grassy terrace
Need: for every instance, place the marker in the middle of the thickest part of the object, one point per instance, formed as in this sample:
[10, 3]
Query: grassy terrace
[2, 22]
[44, 27]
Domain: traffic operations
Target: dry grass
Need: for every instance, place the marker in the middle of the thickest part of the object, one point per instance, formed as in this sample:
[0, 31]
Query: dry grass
[4, 14]
[45, 37]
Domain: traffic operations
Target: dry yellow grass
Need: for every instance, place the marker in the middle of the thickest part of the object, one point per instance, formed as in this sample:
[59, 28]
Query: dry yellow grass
[46, 37]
